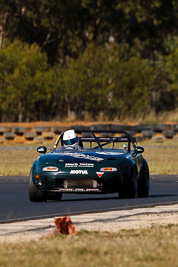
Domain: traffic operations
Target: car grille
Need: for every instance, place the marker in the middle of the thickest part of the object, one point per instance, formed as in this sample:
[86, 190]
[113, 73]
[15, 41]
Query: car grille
[80, 183]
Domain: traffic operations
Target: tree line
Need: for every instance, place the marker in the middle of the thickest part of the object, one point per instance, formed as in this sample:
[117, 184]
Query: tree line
[85, 57]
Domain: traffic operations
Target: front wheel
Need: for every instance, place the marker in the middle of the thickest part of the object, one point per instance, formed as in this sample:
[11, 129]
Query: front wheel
[35, 194]
[54, 196]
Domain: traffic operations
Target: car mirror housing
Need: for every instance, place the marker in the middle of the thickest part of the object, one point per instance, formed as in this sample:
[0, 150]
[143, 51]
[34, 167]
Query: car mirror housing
[139, 149]
[42, 149]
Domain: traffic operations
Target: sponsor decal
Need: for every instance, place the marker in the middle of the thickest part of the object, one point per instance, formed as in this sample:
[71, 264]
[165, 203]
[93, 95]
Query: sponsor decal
[99, 174]
[70, 165]
[78, 190]
[79, 172]
[80, 156]
[90, 165]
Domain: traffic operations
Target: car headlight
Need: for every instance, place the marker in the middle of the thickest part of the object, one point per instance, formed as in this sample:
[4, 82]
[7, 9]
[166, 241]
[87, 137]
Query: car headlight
[108, 169]
[50, 169]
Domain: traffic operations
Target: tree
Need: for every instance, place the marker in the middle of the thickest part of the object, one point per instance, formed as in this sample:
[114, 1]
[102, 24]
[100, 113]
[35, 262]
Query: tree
[86, 82]
[64, 28]
[21, 67]
[172, 69]
[132, 81]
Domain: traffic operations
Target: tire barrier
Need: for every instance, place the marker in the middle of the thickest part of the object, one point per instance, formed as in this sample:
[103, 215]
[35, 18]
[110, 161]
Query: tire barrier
[101, 127]
[175, 127]
[168, 133]
[159, 128]
[148, 134]
[80, 128]
[39, 134]
[120, 127]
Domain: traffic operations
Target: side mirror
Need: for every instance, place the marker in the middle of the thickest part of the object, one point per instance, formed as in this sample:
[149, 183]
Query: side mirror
[42, 149]
[139, 149]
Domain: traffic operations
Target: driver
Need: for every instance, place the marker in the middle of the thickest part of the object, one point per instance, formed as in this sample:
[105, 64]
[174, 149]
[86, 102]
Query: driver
[70, 139]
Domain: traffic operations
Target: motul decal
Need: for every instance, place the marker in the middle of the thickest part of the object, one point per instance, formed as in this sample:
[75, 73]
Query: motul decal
[99, 174]
[79, 172]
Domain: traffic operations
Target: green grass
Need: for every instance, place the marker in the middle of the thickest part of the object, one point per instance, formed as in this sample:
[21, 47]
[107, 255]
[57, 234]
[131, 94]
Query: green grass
[161, 157]
[18, 159]
[16, 162]
[155, 246]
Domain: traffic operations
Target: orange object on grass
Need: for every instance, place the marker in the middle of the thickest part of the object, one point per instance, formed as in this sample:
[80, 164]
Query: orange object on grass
[65, 226]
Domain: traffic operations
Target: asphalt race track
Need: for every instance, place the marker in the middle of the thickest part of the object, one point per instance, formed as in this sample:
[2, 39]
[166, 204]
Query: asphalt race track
[15, 204]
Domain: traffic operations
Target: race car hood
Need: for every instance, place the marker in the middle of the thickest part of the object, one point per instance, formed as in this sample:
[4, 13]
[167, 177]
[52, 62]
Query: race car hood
[84, 156]
[88, 161]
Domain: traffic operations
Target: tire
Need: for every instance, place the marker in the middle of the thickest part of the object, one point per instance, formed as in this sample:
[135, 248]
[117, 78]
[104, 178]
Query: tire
[159, 128]
[54, 196]
[35, 194]
[168, 133]
[120, 127]
[143, 183]
[147, 133]
[129, 188]
[100, 127]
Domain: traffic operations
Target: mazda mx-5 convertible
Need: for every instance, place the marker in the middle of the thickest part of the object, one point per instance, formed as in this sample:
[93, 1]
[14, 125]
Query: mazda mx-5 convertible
[98, 165]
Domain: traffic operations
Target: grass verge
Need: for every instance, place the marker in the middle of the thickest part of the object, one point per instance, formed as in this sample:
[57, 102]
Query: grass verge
[16, 162]
[161, 157]
[155, 246]
[18, 159]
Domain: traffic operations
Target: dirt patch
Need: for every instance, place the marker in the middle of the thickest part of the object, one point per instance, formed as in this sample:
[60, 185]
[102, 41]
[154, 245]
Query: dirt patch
[69, 123]
[112, 221]
[51, 123]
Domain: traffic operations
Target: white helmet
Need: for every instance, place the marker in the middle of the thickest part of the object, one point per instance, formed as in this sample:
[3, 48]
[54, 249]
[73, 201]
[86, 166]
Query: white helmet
[70, 139]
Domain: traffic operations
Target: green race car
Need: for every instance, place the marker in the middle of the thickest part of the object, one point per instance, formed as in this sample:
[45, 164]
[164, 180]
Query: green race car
[98, 165]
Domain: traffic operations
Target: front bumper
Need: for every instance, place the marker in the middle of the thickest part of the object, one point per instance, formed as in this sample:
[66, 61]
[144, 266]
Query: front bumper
[108, 183]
